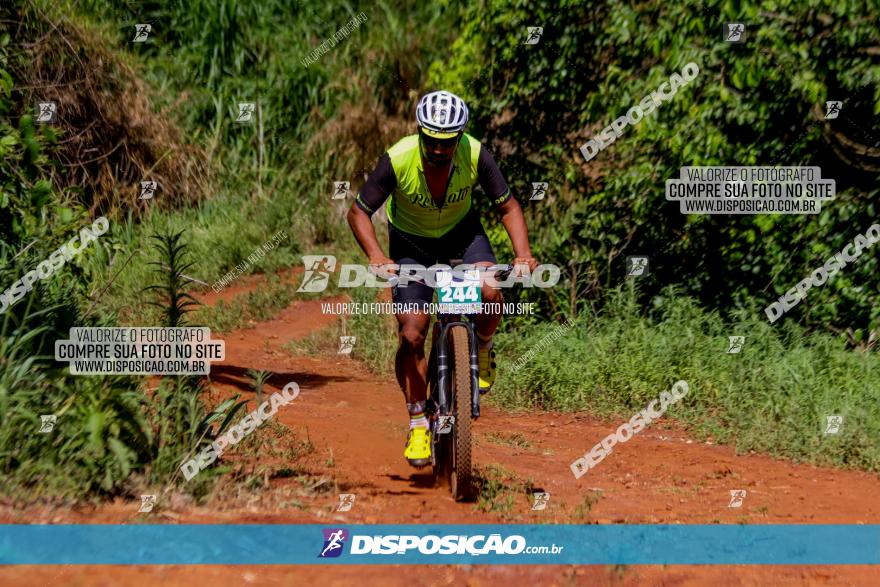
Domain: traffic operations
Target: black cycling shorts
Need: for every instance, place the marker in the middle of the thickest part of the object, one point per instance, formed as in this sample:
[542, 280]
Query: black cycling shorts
[466, 241]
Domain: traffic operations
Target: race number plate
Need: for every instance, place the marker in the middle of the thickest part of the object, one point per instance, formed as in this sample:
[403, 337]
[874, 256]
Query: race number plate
[459, 293]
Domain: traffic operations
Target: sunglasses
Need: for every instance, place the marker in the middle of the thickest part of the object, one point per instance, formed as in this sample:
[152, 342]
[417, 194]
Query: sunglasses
[433, 143]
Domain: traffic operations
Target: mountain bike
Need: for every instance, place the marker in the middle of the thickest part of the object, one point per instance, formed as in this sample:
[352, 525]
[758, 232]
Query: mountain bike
[453, 388]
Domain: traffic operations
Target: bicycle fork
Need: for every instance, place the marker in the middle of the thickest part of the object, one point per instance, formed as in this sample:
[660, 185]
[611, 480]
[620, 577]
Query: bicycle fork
[442, 357]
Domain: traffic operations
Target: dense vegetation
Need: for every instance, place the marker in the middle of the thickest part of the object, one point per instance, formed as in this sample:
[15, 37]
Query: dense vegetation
[756, 103]
[165, 110]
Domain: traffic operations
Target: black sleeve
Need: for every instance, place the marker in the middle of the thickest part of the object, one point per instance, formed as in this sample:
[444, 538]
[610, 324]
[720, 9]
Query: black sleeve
[378, 186]
[491, 179]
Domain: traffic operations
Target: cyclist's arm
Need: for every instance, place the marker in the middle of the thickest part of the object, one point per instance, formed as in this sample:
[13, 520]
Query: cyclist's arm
[370, 198]
[491, 179]
[493, 183]
[515, 224]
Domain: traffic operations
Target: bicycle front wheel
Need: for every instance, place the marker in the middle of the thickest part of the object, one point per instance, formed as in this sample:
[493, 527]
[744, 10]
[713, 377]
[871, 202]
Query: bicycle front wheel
[461, 478]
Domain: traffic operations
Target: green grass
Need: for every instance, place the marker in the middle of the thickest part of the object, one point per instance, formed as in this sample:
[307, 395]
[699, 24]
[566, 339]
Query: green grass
[323, 342]
[208, 57]
[498, 489]
[219, 234]
[515, 439]
[257, 306]
[581, 513]
[274, 442]
[115, 433]
[376, 335]
[772, 397]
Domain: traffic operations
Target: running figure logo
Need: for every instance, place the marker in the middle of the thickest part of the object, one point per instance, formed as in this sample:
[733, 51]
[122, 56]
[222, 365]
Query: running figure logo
[147, 503]
[541, 500]
[346, 345]
[736, 498]
[141, 33]
[636, 266]
[833, 424]
[317, 273]
[444, 424]
[340, 190]
[832, 109]
[334, 541]
[47, 422]
[535, 33]
[734, 32]
[245, 112]
[148, 190]
[735, 344]
[539, 190]
[46, 112]
[346, 501]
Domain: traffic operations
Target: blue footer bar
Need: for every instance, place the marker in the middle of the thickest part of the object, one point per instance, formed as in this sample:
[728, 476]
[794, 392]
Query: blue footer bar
[280, 544]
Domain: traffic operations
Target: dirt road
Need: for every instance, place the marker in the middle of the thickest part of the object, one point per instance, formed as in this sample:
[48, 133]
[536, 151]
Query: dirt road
[347, 429]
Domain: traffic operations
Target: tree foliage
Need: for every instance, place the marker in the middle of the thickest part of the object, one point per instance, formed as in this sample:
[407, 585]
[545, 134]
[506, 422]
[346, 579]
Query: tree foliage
[759, 102]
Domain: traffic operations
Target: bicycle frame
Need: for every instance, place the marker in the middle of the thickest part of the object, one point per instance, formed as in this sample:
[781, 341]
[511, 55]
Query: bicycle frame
[441, 352]
[451, 454]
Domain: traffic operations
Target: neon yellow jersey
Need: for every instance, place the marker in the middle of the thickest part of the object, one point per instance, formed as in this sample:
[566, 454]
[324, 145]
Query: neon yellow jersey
[399, 178]
[411, 207]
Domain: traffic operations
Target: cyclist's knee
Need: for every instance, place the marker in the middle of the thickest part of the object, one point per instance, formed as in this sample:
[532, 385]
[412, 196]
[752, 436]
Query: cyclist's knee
[491, 295]
[412, 334]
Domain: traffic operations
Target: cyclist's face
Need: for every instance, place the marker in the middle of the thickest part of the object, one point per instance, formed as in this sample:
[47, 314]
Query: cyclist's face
[439, 152]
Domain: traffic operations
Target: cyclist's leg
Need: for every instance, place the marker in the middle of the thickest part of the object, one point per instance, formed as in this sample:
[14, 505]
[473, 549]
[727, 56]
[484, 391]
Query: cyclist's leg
[476, 249]
[410, 364]
[487, 322]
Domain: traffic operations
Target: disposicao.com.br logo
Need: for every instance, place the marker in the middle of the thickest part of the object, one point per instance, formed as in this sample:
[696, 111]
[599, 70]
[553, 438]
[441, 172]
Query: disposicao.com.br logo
[454, 544]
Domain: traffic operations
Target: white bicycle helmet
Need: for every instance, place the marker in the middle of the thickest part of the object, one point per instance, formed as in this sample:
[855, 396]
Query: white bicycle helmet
[441, 114]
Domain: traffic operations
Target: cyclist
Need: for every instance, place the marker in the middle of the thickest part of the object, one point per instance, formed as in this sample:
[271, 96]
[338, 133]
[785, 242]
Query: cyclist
[430, 178]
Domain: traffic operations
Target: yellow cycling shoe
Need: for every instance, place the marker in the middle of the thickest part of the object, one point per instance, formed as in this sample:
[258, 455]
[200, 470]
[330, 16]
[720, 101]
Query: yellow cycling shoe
[486, 359]
[418, 447]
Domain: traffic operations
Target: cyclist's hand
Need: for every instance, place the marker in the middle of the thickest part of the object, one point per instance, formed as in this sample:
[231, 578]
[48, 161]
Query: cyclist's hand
[520, 263]
[382, 266]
